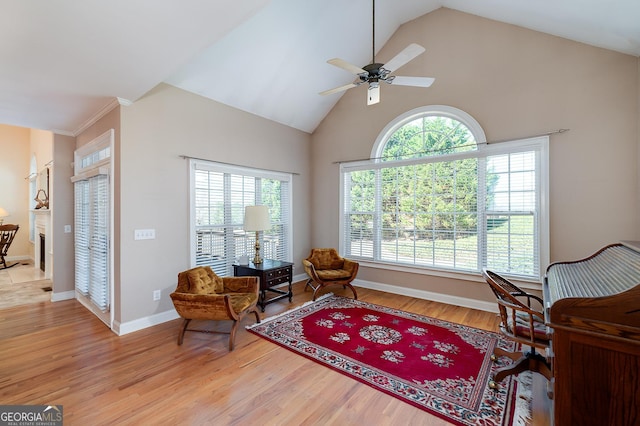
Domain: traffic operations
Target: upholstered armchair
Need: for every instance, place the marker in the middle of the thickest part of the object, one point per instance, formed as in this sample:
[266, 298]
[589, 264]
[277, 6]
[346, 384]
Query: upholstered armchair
[203, 295]
[326, 267]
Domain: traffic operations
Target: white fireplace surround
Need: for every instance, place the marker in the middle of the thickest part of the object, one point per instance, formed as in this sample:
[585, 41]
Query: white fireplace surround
[43, 226]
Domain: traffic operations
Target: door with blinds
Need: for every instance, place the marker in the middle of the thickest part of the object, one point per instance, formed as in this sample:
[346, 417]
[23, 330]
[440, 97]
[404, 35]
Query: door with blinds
[92, 219]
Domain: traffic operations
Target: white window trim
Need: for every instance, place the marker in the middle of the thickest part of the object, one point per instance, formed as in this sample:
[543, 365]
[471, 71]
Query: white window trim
[103, 167]
[540, 143]
[194, 163]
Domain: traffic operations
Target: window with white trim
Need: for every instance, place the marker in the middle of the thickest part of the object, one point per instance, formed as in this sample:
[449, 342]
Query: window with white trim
[437, 197]
[219, 194]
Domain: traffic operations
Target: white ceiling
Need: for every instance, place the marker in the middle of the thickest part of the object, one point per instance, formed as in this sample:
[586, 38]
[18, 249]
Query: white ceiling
[65, 61]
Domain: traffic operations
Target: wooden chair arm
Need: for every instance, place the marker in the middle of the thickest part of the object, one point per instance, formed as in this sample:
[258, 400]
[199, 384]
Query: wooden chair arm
[529, 297]
[310, 269]
[351, 266]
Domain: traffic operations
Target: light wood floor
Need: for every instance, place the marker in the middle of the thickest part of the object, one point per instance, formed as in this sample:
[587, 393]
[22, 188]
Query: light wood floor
[59, 353]
[22, 284]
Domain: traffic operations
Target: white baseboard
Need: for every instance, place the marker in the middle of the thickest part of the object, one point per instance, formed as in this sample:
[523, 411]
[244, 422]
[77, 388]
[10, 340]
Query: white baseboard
[17, 258]
[142, 323]
[429, 295]
[159, 318]
[300, 277]
[63, 295]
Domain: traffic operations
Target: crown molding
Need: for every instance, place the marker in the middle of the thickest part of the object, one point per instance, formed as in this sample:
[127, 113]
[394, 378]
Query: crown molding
[115, 102]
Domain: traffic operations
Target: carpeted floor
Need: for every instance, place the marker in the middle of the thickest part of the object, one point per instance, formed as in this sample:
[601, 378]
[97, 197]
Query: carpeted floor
[23, 284]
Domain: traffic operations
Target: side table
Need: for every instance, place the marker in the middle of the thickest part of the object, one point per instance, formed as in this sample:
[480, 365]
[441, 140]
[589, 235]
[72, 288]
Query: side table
[271, 273]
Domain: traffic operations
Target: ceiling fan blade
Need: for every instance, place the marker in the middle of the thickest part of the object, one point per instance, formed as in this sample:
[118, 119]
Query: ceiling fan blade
[339, 89]
[409, 52]
[346, 66]
[413, 81]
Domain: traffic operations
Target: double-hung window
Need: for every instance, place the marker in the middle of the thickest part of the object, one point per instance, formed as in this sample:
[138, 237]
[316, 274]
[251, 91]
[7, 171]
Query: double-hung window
[437, 197]
[219, 195]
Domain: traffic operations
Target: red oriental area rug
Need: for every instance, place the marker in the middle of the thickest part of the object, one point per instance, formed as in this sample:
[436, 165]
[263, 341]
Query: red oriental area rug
[438, 366]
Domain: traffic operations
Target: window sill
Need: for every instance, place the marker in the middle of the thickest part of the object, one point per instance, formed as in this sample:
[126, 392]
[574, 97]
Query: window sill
[463, 276]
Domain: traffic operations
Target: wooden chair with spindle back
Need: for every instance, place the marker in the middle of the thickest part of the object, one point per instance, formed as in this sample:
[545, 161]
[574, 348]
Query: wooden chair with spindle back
[7, 234]
[519, 321]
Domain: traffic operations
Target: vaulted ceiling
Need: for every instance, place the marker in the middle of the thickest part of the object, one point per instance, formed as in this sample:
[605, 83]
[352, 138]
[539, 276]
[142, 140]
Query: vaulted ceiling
[65, 61]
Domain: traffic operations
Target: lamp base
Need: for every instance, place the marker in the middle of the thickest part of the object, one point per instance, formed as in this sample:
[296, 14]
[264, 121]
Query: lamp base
[257, 259]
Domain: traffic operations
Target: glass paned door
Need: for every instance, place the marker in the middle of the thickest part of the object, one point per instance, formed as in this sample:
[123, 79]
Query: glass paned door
[92, 243]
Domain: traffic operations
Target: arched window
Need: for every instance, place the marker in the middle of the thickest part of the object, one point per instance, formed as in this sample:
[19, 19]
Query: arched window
[428, 131]
[435, 195]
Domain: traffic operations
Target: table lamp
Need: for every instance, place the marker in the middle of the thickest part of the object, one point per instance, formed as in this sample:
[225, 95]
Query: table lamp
[3, 214]
[256, 218]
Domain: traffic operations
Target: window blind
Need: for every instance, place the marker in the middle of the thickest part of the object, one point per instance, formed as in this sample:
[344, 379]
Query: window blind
[220, 193]
[92, 239]
[460, 212]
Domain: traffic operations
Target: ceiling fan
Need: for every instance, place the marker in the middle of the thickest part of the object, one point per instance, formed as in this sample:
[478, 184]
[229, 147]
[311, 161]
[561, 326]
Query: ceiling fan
[375, 72]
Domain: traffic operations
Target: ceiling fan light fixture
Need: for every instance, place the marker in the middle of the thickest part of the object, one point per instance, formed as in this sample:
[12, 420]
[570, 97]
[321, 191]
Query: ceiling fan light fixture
[373, 93]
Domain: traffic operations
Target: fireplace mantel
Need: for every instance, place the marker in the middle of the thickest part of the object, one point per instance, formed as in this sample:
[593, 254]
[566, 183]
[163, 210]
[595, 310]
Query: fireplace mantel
[43, 226]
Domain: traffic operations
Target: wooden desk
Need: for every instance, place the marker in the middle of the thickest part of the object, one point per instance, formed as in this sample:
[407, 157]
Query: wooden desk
[592, 306]
[271, 273]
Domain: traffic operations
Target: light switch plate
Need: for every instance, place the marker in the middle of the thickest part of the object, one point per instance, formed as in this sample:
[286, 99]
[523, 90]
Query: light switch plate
[144, 234]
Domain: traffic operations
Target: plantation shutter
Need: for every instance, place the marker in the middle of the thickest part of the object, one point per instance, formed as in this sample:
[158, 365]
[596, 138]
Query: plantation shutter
[82, 238]
[92, 239]
[99, 284]
[220, 194]
[276, 195]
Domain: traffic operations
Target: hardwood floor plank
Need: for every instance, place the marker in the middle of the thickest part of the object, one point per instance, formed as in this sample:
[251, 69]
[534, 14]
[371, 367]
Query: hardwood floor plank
[59, 353]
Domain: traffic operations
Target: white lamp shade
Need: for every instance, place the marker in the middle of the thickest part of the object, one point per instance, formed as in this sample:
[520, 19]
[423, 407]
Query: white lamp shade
[3, 212]
[256, 218]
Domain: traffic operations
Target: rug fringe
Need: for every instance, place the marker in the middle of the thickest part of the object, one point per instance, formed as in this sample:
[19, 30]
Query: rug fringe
[522, 412]
[324, 296]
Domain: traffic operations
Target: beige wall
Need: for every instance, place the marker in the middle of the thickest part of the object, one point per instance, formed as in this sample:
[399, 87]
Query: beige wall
[18, 145]
[14, 192]
[41, 147]
[515, 83]
[156, 130]
[62, 214]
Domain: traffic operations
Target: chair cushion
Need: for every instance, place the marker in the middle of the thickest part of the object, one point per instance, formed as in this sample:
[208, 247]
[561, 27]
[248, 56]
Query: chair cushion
[524, 330]
[333, 274]
[204, 281]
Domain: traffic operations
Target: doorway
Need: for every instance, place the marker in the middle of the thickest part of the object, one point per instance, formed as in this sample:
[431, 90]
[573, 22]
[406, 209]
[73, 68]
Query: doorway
[93, 218]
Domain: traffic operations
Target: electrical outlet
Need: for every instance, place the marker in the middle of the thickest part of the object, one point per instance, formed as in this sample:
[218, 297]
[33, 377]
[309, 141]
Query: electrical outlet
[156, 295]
